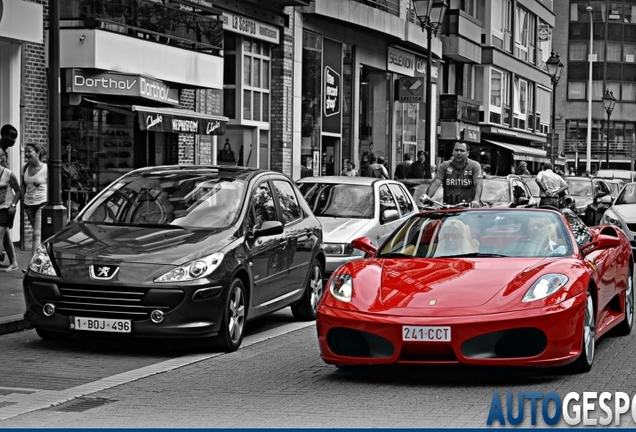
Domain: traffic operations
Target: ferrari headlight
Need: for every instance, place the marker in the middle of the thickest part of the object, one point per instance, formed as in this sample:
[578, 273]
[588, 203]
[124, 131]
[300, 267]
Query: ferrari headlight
[193, 270]
[338, 249]
[608, 219]
[41, 262]
[341, 287]
[545, 286]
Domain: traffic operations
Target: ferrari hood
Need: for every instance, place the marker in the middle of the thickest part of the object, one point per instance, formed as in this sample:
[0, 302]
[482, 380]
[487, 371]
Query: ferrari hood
[136, 244]
[343, 230]
[450, 283]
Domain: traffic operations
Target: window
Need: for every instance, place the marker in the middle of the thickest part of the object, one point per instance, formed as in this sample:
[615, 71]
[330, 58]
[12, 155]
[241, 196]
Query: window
[256, 80]
[405, 204]
[576, 90]
[288, 201]
[499, 97]
[386, 202]
[263, 205]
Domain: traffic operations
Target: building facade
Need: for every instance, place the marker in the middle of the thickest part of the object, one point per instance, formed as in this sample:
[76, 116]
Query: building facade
[608, 31]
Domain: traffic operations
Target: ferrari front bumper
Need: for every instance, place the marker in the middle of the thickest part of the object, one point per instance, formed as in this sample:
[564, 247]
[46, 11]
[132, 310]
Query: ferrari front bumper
[550, 336]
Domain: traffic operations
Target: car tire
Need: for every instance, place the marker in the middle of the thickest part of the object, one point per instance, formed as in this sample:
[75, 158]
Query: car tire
[233, 319]
[588, 345]
[305, 308]
[625, 327]
[53, 335]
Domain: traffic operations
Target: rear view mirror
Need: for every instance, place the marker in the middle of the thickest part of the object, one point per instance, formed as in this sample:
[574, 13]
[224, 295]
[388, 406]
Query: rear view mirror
[605, 199]
[601, 242]
[365, 245]
[269, 228]
[390, 215]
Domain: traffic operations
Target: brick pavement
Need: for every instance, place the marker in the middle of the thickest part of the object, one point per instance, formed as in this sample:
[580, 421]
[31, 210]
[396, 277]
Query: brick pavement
[11, 298]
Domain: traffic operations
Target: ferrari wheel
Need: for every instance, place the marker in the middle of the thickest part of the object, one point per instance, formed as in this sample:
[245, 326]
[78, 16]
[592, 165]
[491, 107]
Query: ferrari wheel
[625, 327]
[305, 308]
[233, 319]
[53, 335]
[584, 362]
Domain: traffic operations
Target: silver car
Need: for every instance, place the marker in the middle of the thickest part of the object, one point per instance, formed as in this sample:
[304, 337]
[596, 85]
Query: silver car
[352, 207]
[622, 212]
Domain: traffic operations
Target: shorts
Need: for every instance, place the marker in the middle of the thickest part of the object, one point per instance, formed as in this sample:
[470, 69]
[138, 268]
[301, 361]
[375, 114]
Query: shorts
[33, 211]
[550, 201]
[6, 218]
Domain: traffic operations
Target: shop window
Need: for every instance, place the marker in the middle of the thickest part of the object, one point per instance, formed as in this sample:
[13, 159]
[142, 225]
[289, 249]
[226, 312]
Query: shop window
[256, 79]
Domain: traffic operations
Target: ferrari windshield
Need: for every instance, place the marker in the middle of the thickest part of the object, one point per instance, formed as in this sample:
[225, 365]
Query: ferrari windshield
[339, 200]
[198, 199]
[514, 233]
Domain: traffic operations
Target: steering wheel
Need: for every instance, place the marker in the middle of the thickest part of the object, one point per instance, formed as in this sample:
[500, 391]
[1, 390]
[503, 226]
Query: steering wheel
[527, 247]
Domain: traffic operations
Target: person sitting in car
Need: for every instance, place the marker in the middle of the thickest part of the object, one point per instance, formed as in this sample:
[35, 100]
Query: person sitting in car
[455, 238]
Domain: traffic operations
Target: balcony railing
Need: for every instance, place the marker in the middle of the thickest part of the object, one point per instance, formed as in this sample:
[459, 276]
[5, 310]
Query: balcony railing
[459, 108]
[390, 6]
[148, 20]
[622, 148]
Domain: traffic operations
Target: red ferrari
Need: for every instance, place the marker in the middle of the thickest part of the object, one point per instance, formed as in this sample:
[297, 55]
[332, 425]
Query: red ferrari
[513, 287]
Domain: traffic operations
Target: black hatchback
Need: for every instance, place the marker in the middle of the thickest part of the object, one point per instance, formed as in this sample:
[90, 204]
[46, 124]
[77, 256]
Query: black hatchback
[179, 251]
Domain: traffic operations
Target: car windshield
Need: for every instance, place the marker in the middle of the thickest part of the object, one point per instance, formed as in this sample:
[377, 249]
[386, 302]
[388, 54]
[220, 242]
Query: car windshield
[179, 198]
[628, 195]
[579, 188]
[495, 191]
[514, 233]
[339, 200]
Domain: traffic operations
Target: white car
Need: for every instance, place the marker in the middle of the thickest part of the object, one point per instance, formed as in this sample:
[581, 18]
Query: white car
[622, 212]
[353, 207]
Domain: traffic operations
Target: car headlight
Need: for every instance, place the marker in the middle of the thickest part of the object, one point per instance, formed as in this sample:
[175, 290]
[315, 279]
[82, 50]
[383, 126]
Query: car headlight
[338, 249]
[200, 267]
[341, 287]
[545, 286]
[608, 219]
[41, 262]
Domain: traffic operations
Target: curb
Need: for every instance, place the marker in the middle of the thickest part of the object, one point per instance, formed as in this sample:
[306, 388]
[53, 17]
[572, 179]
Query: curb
[13, 323]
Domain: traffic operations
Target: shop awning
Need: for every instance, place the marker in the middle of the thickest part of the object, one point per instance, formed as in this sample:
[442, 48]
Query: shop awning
[522, 152]
[178, 120]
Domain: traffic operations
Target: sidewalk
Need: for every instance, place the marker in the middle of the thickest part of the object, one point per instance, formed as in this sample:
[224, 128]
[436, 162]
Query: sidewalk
[11, 298]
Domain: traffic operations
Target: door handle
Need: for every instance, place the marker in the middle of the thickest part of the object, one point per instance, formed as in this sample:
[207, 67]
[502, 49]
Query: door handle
[282, 244]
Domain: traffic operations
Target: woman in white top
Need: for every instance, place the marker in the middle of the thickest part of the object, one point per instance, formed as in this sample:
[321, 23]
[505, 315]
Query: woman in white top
[34, 189]
[9, 196]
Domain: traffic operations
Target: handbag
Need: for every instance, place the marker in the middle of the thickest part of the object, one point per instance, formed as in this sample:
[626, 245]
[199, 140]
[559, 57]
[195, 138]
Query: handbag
[226, 154]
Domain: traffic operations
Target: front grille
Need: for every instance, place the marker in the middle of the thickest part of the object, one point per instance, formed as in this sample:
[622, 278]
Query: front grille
[513, 343]
[631, 227]
[356, 343]
[113, 301]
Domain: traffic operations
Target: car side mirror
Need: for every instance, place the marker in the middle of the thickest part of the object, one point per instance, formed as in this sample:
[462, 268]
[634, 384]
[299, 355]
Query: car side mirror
[365, 245]
[600, 194]
[522, 201]
[605, 199]
[390, 215]
[268, 228]
[602, 241]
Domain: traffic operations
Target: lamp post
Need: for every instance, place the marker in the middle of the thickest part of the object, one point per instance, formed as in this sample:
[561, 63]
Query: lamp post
[555, 67]
[608, 102]
[588, 155]
[431, 14]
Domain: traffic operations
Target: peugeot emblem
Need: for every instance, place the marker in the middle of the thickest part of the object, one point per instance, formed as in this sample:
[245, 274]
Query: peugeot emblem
[103, 272]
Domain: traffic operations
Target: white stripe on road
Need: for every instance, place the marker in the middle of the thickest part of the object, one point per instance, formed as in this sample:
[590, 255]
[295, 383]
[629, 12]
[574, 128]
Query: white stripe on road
[24, 403]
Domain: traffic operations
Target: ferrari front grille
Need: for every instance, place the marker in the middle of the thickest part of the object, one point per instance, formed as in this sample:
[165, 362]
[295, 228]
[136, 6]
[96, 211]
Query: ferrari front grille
[355, 343]
[112, 301]
[513, 343]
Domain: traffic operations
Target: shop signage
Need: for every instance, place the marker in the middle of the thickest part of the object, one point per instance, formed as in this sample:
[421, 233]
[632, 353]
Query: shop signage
[410, 90]
[404, 62]
[331, 86]
[471, 134]
[111, 83]
[21, 20]
[179, 123]
[250, 27]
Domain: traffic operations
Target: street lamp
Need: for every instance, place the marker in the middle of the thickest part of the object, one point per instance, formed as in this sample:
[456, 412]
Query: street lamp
[431, 14]
[555, 67]
[608, 102]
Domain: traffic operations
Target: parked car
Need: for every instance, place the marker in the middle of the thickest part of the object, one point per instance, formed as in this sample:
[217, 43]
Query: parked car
[509, 191]
[464, 286]
[615, 186]
[622, 213]
[626, 175]
[179, 251]
[592, 197]
[351, 207]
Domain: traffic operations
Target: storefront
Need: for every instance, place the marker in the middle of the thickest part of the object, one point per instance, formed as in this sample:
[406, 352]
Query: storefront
[20, 21]
[113, 123]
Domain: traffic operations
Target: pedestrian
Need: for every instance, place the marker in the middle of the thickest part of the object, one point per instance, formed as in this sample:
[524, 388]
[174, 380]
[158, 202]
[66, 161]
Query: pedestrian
[403, 168]
[8, 137]
[417, 168]
[522, 168]
[9, 197]
[350, 169]
[376, 169]
[550, 186]
[460, 177]
[34, 189]
[304, 171]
